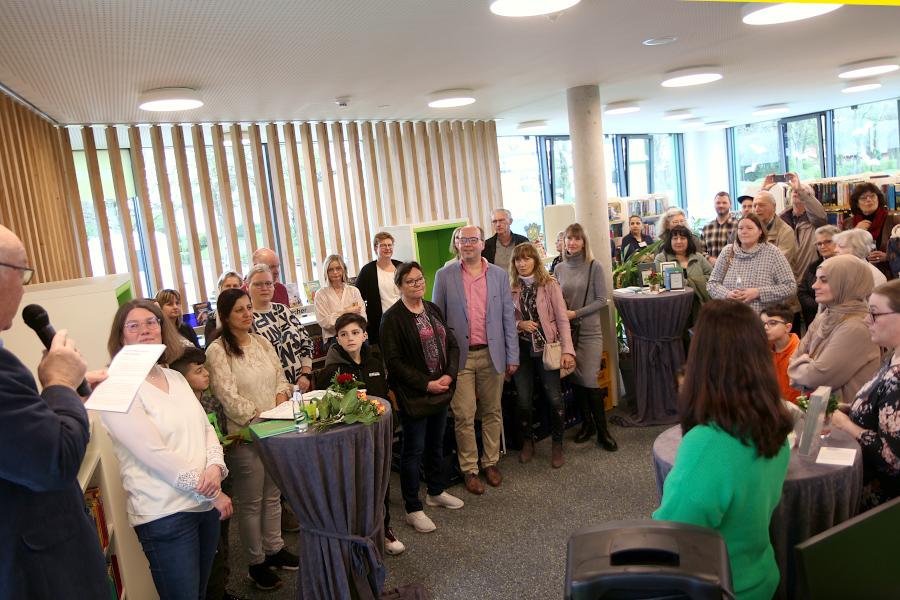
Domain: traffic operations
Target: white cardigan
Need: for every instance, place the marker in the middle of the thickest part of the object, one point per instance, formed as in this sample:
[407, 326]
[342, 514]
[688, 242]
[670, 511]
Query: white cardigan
[164, 443]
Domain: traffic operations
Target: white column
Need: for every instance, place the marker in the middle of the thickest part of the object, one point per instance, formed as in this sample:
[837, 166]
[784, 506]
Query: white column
[589, 169]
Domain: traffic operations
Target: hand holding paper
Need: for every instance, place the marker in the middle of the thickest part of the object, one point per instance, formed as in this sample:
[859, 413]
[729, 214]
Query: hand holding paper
[127, 372]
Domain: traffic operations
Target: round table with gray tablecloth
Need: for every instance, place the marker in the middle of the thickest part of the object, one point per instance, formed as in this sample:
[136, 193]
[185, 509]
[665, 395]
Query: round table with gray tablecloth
[815, 497]
[655, 324]
[335, 481]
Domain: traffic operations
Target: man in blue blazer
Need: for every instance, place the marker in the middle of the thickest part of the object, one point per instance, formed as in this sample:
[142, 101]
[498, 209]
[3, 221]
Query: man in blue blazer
[48, 544]
[475, 298]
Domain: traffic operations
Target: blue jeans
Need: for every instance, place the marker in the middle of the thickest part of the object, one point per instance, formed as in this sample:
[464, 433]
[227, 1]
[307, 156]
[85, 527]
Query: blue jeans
[524, 380]
[424, 435]
[180, 549]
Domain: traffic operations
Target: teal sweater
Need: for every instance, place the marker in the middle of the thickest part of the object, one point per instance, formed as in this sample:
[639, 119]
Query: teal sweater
[719, 482]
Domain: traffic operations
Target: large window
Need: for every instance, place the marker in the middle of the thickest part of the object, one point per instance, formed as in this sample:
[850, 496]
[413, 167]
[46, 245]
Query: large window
[804, 145]
[866, 138]
[520, 180]
[757, 152]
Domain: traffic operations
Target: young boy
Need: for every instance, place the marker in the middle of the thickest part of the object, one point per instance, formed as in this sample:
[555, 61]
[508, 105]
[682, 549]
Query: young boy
[777, 320]
[351, 355]
[191, 366]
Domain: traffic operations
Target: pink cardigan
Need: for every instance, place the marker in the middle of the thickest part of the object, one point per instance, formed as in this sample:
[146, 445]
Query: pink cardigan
[552, 312]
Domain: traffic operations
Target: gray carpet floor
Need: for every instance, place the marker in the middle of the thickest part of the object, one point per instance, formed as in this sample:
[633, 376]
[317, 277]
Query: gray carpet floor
[509, 543]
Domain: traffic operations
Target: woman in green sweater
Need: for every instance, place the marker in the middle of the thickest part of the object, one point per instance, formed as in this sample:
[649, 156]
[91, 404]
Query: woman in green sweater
[731, 464]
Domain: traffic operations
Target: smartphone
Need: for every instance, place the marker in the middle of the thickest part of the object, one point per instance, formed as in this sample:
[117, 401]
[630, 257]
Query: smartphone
[780, 178]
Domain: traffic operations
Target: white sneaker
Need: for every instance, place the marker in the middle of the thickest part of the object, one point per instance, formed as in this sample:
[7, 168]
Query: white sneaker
[444, 500]
[420, 521]
[392, 545]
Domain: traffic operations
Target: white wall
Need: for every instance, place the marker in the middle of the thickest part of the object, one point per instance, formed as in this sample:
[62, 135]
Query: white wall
[705, 171]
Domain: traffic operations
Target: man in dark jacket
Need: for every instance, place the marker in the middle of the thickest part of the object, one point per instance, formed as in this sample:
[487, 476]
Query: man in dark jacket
[498, 248]
[48, 543]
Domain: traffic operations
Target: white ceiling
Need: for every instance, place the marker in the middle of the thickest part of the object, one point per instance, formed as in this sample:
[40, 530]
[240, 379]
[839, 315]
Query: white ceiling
[84, 61]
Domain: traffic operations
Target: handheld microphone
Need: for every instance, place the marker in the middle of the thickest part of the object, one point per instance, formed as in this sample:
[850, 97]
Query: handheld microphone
[36, 317]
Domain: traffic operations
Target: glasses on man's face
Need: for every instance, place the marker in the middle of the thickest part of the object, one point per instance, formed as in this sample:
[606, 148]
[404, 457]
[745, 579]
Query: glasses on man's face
[773, 323]
[468, 240]
[824, 243]
[263, 284]
[415, 282]
[27, 272]
[874, 315]
[134, 326]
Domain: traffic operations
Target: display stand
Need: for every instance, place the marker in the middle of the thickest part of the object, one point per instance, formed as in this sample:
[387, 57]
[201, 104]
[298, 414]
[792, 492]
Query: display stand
[426, 243]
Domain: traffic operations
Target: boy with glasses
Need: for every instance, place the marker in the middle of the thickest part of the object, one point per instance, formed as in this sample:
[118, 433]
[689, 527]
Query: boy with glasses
[776, 320]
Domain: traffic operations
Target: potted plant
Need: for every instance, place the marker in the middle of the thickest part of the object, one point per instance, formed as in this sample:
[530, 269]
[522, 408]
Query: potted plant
[655, 279]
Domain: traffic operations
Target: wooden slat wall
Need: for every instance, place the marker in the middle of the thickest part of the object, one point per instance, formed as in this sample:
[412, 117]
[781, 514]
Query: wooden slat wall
[76, 214]
[346, 179]
[118, 177]
[93, 168]
[139, 175]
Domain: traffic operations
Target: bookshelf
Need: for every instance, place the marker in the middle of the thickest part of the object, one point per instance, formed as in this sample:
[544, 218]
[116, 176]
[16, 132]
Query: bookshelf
[649, 208]
[834, 193]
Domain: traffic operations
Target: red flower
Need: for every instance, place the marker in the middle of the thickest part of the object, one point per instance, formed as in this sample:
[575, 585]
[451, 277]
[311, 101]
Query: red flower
[344, 378]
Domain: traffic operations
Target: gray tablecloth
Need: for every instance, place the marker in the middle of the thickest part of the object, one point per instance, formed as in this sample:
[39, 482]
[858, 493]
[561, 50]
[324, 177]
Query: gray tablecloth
[814, 498]
[655, 323]
[336, 481]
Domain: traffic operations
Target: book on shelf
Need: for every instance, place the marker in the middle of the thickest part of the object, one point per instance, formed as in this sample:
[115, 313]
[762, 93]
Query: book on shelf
[114, 577]
[93, 501]
[293, 292]
[310, 288]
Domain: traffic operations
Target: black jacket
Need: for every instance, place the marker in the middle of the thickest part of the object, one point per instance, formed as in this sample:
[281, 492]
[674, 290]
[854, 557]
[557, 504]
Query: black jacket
[370, 370]
[403, 355]
[49, 545]
[807, 296]
[490, 245]
[367, 284]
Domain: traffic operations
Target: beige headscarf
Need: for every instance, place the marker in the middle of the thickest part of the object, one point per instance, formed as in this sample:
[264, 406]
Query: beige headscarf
[851, 284]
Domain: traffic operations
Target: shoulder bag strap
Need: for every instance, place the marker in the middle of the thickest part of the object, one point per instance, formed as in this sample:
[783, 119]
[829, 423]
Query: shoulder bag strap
[728, 262]
[587, 287]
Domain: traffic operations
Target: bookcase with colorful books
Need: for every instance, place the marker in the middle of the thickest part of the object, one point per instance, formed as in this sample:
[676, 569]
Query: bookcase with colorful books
[834, 193]
[649, 208]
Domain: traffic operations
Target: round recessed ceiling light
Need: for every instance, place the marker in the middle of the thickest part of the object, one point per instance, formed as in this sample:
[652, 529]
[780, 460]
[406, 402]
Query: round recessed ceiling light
[169, 99]
[621, 108]
[861, 85]
[677, 115]
[783, 12]
[451, 98]
[532, 126]
[660, 41]
[868, 68]
[770, 109]
[530, 8]
[692, 76]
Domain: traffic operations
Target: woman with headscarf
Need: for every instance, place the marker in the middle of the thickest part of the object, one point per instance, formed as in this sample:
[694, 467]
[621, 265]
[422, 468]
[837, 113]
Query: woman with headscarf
[837, 350]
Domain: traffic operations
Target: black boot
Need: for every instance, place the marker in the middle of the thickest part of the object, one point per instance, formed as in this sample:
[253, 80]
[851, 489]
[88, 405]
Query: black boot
[598, 412]
[588, 429]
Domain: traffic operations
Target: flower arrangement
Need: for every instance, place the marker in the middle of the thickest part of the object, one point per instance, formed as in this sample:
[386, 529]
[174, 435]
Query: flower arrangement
[654, 278]
[803, 402]
[343, 402]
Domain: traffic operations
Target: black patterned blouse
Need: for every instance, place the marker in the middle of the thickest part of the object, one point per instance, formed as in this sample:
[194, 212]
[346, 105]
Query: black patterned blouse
[877, 410]
[283, 330]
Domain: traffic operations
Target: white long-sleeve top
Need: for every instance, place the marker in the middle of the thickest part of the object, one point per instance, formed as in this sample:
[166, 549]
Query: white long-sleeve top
[330, 305]
[245, 384]
[164, 443]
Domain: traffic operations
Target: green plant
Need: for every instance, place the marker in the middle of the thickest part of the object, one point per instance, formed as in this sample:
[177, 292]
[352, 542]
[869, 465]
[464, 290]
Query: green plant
[803, 402]
[626, 274]
[654, 278]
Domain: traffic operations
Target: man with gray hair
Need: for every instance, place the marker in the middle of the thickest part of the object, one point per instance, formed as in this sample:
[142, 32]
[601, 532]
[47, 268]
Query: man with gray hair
[266, 256]
[498, 248]
[778, 232]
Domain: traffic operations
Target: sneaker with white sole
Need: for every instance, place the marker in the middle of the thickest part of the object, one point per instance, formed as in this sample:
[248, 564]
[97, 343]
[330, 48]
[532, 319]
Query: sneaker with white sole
[420, 522]
[444, 500]
[392, 545]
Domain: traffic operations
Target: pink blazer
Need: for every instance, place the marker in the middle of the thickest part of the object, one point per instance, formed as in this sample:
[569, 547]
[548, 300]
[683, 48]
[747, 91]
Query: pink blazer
[552, 312]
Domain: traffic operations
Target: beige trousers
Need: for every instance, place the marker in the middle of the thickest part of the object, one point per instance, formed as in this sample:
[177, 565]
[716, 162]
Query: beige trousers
[257, 503]
[478, 391]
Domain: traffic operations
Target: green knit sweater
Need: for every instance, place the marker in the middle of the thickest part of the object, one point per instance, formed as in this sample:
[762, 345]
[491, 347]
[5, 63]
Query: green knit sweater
[719, 482]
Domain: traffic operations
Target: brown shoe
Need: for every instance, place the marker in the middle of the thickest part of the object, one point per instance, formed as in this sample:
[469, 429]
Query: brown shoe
[556, 458]
[527, 452]
[473, 484]
[493, 476]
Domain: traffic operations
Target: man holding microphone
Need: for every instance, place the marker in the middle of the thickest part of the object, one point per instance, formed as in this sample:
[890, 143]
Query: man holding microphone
[48, 543]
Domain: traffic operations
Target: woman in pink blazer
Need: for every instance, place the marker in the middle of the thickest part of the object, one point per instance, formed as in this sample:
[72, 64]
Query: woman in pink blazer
[540, 321]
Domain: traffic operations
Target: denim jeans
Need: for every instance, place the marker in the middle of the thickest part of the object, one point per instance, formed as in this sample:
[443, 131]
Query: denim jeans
[180, 549]
[424, 435]
[524, 380]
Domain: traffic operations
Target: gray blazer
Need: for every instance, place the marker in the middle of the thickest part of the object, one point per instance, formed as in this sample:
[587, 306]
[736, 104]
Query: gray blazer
[450, 296]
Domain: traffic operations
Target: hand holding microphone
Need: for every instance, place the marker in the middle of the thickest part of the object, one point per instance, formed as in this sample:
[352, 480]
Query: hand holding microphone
[62, 364]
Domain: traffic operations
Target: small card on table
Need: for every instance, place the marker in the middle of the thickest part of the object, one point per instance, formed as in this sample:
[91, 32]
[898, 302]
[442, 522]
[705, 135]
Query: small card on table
[843, 457]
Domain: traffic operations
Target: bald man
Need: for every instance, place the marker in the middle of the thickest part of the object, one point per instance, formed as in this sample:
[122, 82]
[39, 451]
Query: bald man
[779, 233]
[266, 256]
[48, 544]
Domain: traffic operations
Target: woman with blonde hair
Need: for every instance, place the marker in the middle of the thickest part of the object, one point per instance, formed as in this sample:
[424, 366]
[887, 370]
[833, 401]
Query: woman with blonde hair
[584, 289]
[541, 321]
[170, 303]
[336, 298]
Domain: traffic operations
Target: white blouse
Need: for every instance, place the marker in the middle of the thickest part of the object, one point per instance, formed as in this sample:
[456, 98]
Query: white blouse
[330, 305]
[245, 384]
[164, 443]
[386, 289]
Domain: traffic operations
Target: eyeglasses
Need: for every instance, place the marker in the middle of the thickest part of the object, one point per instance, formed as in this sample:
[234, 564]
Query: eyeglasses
[415, 282]
[870, 196]
[874, 316]
[825, 243]
[495, 221]
[468, 240]
[773, 323]
[27, 272]
[385, 246]
[263, 284]
[133, 326]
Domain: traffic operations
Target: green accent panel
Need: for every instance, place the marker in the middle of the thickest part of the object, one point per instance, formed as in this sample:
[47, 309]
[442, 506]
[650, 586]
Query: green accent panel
[124, 293]
[432, 247]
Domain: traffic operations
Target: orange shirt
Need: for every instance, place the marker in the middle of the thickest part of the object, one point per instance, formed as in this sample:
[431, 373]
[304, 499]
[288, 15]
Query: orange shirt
[781, 364]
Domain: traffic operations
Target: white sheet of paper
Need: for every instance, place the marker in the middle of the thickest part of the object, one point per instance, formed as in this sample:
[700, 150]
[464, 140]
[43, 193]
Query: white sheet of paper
[127, 372]
[285, 411]
[843, 457]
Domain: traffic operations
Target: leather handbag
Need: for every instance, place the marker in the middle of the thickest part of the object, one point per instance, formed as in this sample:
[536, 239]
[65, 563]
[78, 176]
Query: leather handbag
[552, 355]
